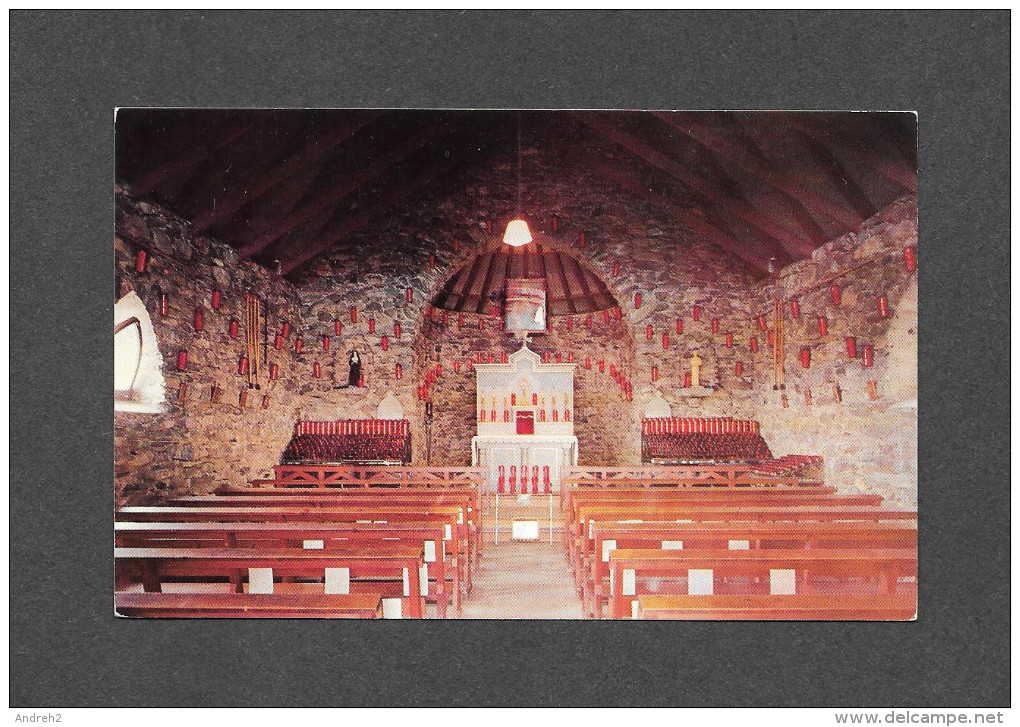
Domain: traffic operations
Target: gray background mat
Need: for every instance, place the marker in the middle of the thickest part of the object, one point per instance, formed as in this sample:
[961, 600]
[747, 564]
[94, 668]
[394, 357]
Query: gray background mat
[70, 69]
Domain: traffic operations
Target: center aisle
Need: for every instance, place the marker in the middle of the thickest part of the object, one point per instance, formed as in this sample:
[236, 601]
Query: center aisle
[524, 580]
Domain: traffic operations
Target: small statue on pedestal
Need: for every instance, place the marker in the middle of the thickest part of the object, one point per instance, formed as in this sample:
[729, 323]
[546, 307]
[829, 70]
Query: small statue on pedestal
[354, 377]
[695, 370]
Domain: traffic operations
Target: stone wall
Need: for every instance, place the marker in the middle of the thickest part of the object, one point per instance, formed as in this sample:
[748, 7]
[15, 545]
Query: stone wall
[195, 445]
[422, 245]
[869, 444]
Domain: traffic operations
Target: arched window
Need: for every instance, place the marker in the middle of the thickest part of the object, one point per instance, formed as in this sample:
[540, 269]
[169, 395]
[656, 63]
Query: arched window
[138, 384]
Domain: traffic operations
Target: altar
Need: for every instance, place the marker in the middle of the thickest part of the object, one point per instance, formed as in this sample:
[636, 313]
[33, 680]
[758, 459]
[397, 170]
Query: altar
[525, 415]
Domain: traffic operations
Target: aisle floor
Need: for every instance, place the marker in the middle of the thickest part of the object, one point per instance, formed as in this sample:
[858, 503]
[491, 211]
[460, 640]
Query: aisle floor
[523, 580]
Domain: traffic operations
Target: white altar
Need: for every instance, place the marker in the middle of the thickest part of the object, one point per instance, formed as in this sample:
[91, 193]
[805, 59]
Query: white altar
[525, 414]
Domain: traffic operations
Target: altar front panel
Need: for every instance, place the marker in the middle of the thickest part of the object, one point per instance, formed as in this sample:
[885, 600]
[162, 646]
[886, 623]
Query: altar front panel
[523, 453]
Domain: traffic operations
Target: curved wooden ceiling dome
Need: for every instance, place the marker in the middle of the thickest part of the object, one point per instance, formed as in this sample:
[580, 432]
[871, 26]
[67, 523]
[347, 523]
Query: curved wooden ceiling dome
[571, 287]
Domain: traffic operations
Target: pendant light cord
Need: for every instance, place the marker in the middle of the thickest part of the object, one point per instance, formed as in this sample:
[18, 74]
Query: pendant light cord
[519, 163]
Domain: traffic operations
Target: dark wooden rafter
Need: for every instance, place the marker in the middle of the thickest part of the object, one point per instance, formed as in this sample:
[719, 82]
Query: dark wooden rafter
[843, 180]
[896, 173]
[760, 167]
[193, 154]
[313, 152]
[702, 228]
[345, 185]
[805, 221]
[439, 161]
[286, 196]
[706, 190]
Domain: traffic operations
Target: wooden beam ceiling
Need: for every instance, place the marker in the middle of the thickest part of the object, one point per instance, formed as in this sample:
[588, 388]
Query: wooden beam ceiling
[708, 191]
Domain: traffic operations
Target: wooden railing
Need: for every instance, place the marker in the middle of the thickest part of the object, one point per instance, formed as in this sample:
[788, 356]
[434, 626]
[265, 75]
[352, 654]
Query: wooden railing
[327, 475]
[718, 475]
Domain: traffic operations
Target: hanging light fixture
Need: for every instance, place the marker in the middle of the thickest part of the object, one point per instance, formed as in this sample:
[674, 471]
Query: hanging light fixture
[517, 233]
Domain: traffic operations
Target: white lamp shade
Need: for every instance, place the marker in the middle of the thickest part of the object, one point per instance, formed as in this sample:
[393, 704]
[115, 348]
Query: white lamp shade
[517, 233]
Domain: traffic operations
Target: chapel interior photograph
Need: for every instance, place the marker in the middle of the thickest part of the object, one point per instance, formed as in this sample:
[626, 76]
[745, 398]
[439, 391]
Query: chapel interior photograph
[515, 364]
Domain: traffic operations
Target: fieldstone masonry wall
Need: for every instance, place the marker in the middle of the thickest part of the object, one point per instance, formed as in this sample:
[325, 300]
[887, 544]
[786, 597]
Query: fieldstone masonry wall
[196, 445]
[869, 444]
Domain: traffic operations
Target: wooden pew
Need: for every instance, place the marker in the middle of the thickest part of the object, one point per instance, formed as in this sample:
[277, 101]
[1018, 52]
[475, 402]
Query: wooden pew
[707, 474]
[798, 607]
[295, 535]
[671, 508]
[152, 565]
[629, 569]
[593, 574]
[423, 499]
[247, 605]
[452, 517]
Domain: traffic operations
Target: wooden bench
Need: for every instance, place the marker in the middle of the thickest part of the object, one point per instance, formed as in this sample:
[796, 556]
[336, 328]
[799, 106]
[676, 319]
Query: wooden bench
[800, 607]
[749, 506]
[397, 562]
[424, 500]
[247, 605]
[630, 569]
[708, 473]
[326, 536]
[451, 518]
[593, 574]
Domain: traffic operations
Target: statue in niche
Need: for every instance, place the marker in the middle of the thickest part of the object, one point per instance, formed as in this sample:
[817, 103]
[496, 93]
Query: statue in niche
[354, 375]
[695, 370]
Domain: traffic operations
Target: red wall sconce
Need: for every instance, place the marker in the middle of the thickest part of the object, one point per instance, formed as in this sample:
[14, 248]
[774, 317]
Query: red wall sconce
[715, 325]
[795, 308]
[805, 356]
[338, 327]
[555, 222]
[738, 368]
[851, 347]
[616, 268]
[602, 366]
[460, 322]
[199, 319]
[298, 345]
[141, 259]
[729, 340]
[456, 245]
[384, 343]
[396, 329]
[432, 262]
[587, 321]
[215, 394]
[409, 295]
[587, 362]
[285, 329]
[910, 258]
[182, 391]
[164, 304]
[398, 370]
[883, 306]
[371, 325]
[649, 333]
[679, 326]
[655, 374]
[754, 344]
[182, 360]
[762, 324]
[488, 227]
[637, 300]
[696, 313]
[234, 328]
[278, 341]
[354, 314]
[216, 298]
[265, 401]
[665, 341]
[868, 357]
[242, 366]
[570, 324]
[325, 343]
[316, 370]
[687, 380]
[823, 326]
[242, 398]
[274, 372]
[570, 357]
[834, 293]
[580, 240]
